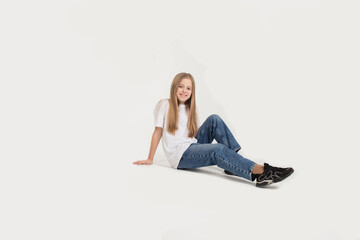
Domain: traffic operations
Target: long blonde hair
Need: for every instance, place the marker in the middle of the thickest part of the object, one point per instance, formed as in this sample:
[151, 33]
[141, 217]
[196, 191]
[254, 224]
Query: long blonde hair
[174, 106]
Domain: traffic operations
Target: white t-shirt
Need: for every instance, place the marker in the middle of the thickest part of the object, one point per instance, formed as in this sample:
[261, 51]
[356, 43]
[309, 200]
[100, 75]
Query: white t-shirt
[174, 145]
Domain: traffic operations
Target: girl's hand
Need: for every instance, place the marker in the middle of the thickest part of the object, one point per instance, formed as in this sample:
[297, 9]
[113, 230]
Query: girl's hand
[144, 162]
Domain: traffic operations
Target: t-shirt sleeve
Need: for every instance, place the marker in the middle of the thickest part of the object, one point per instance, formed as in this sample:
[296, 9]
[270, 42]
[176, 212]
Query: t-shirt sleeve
[159, 113]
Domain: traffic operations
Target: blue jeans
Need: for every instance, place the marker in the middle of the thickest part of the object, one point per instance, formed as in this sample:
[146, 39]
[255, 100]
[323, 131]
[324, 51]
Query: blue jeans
[223, 154]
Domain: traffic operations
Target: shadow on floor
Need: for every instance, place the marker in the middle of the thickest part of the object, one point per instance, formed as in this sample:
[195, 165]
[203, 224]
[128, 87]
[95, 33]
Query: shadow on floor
[212, 171]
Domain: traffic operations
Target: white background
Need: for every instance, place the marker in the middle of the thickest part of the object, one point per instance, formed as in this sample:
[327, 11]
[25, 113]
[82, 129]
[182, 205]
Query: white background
[79, 83]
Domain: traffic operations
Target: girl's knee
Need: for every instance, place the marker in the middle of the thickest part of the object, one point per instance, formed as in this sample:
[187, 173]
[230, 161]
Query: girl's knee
[214, 117]
[219, 152]
[220, 147]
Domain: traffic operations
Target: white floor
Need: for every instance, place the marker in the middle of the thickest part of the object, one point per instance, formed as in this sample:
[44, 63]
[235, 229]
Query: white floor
[109, 198]
[207, 204]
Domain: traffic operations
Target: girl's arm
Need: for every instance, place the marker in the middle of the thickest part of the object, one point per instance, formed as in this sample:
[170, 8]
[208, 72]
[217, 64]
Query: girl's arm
[154, 143]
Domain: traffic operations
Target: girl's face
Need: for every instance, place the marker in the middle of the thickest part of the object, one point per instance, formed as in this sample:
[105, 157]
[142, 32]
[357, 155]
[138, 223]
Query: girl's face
[184, 90]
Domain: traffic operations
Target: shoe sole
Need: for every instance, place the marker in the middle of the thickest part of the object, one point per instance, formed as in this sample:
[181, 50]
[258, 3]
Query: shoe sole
[264, 183]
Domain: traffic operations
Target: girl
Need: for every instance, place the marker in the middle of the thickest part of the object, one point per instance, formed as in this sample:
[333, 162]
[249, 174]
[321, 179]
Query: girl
[186, 145]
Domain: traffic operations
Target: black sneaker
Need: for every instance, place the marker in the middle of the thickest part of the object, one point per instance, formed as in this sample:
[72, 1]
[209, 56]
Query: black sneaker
[272, 175]
[228, 172]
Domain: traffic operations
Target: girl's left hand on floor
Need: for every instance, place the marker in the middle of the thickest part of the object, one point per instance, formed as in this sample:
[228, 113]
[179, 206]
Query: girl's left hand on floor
[143, 162]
